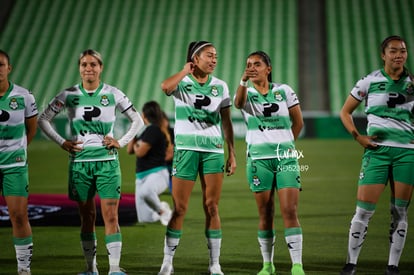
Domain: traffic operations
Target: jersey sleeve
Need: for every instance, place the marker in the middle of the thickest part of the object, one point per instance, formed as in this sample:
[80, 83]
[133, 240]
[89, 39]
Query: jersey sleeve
[226, 96]
[291, 97]
[123, 102]
[360, 90]
[31, 109]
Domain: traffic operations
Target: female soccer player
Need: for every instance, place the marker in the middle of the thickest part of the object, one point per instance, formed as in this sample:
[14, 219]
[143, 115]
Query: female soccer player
[18, 124]
[94, 165]
[202, 112]
[389, 149]
[274, 120]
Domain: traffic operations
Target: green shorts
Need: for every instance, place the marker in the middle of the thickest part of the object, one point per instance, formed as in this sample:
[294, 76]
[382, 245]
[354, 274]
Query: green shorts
[91, 177]
[14, 181]
[384, 162]
[266, 174]
[188, 164]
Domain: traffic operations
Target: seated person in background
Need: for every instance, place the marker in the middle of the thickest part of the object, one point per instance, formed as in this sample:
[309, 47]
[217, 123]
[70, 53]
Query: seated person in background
[152, 176]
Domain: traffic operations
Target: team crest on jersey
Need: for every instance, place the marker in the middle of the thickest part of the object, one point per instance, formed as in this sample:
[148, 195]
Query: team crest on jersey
[214, 91]
[256, 181]
[13, 104]
[277, 96]
[104, 100]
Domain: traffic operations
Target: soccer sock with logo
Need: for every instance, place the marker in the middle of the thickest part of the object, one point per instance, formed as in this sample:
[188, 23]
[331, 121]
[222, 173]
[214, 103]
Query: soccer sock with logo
[398, 230]
[214, 237]
[114, 248]
[358, 229]
[88, 244]
[294, 240]
[24, 251]
[171, 241]
[266, 240]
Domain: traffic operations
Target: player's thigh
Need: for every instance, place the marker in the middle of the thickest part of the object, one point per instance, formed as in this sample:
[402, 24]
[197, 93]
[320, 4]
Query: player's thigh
[288, 174]
[260, 174]
[15, 181]
[402, 167]
[211, 163]
[186, 164]
[108, 179]
[375, 166]
[81, 184]
[374, 173]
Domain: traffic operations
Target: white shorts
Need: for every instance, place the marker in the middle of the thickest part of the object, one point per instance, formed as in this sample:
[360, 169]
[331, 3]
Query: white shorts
[147, 191]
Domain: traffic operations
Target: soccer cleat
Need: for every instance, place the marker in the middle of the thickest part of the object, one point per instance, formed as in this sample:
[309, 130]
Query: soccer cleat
[24, 272]
[89, 273]
[166, 269]
[215, 269]
[166, 213]
[297, 269]
[392, 270]
[268, 269]
[349, 269]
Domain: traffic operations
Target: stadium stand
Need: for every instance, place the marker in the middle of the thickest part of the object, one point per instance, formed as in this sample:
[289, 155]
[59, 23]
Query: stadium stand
[143, 42]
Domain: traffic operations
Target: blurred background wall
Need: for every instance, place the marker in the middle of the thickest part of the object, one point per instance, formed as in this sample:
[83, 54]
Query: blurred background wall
[319, 47]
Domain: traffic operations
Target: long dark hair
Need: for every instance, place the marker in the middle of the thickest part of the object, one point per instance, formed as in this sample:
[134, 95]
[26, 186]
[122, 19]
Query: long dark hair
[266, 59]
[153, 113]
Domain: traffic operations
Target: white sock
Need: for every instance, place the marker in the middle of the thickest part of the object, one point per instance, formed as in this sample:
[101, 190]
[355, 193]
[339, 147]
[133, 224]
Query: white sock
[398, 233]
[294, 243]
[214, 246]
[267, 248]
[114, 255]
[357, 233]
[89, 251]
[24, 256]
[170, 246]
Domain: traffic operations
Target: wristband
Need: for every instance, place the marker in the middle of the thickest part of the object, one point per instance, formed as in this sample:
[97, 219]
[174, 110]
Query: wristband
[243, 83]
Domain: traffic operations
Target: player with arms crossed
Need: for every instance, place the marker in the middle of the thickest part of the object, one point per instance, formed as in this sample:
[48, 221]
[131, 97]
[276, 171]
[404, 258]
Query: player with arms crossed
[94, 165]
[389, 149]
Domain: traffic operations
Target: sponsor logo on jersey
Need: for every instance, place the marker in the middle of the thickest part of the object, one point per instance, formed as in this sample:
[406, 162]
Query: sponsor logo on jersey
[362, 93]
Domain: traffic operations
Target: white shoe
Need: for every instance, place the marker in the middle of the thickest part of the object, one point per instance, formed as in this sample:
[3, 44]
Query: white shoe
[24, 272]
[166, 213]
[215, 269]
[166, 269]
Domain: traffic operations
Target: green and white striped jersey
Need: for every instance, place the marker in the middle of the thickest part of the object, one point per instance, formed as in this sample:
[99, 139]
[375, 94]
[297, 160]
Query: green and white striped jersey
[269, 133]
[91, 118]
[197, 114]
[389, 108]
[15, 106]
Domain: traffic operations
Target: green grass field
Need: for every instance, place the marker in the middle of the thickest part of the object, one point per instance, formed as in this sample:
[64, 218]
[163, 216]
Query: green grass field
[326, 207]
